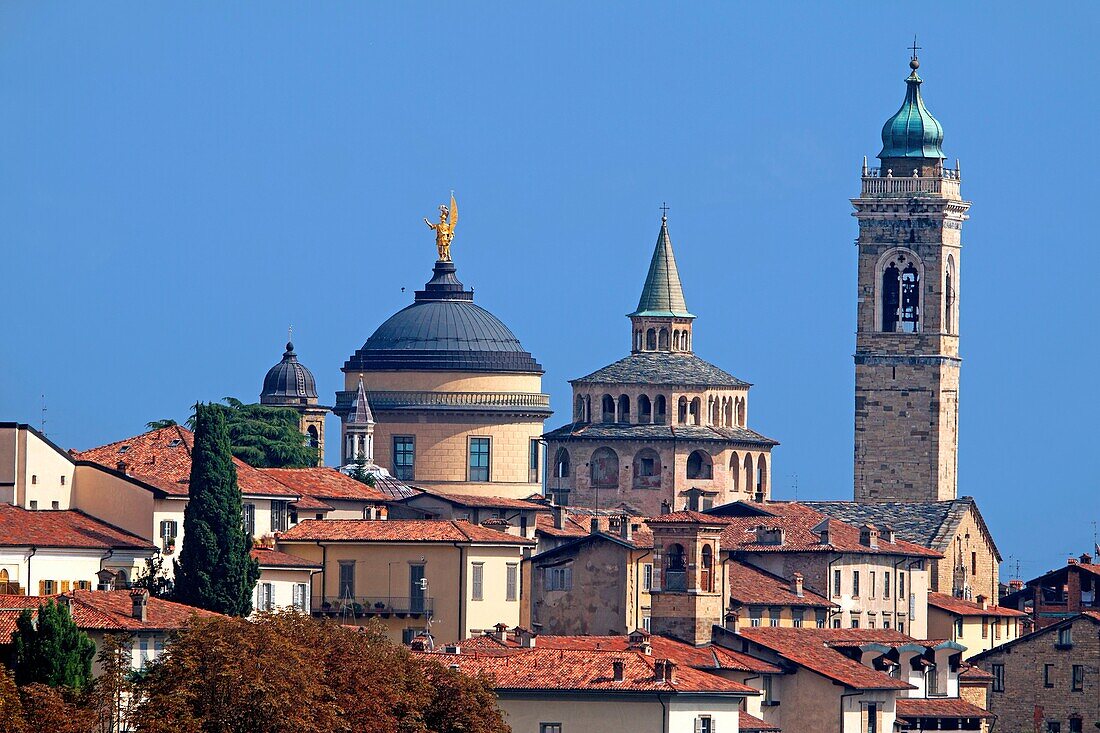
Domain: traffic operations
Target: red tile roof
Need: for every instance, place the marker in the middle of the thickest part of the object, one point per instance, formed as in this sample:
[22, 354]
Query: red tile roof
[750, 585]
[798, 522]
[810, 648]
[489, 502]
[324, 483]
[969, 673]
[708, 657]
[570, 527]
[103, 610]
[63, 528]
[962, 607]
[686, 515]
[397, 530]
[576, 669]
[162, 458]
[939, 707]
[752, 723]
[269, 558]
[310, 504]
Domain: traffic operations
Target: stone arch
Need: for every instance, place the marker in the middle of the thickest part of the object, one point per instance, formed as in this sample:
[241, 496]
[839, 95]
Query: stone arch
[578, 409]
[647, 469]
[662, 339]
[735, 472]
[682, 410]
[313, 437]
[604, 468]
[696, 407]
[659, 410]
[761, 475]
[748, 473]
[706, 570]
[561, 463]
[949, 286]
[607, 408]
[741, 404]
[899, 278]
[728, 417]
[676, 339]
[700, 465]
[624, 408]
[651, 339]
[675, 570]
[645, 410]
[715, 411]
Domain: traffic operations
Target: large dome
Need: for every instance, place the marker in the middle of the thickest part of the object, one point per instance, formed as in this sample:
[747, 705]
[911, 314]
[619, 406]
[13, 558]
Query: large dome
[443, 330]
[288, 382]
[912, 132]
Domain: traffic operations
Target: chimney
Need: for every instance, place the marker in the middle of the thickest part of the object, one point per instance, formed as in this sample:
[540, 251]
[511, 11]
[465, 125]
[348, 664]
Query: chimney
[666, 508]
[559, 516]
[1015, 585]
[868, 536]
[983, 602]
[121, 466]
[670, 671]
[796, 585]
[888, 533]
[595, 525]
[626, 529]
[417, 644]
[617, 670]
[1086, 559]
[1072, 561]
[525, 637]
[139, 604]
[500, 633]
[659, 670]
[452, 649]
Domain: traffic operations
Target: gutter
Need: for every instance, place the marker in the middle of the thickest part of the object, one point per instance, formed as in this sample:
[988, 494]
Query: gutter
[840, 722]
[461, 590]
[324, 567]
[833, 591]
[664, 713]
[637, 590]
[34, 551]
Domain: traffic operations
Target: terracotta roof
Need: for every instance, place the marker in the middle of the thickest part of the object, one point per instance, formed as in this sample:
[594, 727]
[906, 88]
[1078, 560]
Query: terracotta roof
[686, 515]
[162, 458]
[810, 648]
[576, 669]
[103, 610]
[751, 722]
[570, 527]
[62, 528]
[798, 522]
[397, 530]
[939, 707]
[491, 502]
[969, 673]
[962, 607]
[324, 483]
[269, 558]
[708, 657]
[1007, 646]
[308, 503]
[750, 585]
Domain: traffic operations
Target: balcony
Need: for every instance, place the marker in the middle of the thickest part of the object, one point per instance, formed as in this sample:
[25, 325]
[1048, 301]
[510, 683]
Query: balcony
[375, 606]
[877, 182]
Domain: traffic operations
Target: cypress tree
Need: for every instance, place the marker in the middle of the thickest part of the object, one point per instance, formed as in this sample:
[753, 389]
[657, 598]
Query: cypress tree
[214, 569]
[50, 648]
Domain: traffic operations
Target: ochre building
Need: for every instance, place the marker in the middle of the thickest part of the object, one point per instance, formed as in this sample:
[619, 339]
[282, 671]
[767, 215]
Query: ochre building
[457, 402]
[661, 429]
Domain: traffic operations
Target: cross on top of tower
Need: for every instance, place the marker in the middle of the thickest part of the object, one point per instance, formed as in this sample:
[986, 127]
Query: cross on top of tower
[664, 211]
[914, 48]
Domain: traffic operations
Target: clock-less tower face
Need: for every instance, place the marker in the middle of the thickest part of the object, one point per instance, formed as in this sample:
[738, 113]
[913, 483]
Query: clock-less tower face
[910, 214]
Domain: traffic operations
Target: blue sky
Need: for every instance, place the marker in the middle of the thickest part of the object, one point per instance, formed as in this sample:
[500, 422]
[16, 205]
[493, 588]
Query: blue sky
[180, 183]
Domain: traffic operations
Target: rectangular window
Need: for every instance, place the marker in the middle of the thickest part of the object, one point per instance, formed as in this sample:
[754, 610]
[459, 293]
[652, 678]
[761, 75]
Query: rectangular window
[998, 671]
[820, 617]
[558, 578]
[646, 623]
[932, 681]
[647, 576]
[62, 480]
[886, 585]
[278, 515]
[985, 627]
[871, 584]
[773, 616]
[549, 727]
[533, 463]
[855, 584]
[997, 628]
[479, 459]
[265, 597]
[1048, 675]
[168, 529]
[55, 505]
[418, 591]
[347, 579]
[1065, 636]
[836, 623]
[872, 718]
[796, 617]
[755, 615]
[511, 592]
[704, 724]
[1076, 725]
[901, 585]
[1078, 677]
[407, 635]
[48, 587]
[973, 563]
[766, 688]
[404, 454]
[143, 651]
[477, 581]
[836, 583]
[301, 597]
[248, 519]
[855, 623]
[1054, 726]
[34, 504]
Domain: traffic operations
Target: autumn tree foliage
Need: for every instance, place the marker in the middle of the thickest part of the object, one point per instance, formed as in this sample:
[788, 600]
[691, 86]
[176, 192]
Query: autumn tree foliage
[288, 673]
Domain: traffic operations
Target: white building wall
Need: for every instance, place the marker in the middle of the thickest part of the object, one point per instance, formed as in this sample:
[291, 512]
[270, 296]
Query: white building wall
[282, 582]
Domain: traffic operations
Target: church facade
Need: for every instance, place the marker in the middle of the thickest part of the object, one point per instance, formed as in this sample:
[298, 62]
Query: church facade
[660, 429]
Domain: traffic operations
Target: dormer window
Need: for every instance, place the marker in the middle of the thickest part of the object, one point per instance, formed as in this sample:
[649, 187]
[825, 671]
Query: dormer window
[175, 443]
[123, 450]
[769, 536]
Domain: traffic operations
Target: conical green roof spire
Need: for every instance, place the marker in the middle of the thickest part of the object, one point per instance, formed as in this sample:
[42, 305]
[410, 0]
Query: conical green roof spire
[663, 295]
[912, 132]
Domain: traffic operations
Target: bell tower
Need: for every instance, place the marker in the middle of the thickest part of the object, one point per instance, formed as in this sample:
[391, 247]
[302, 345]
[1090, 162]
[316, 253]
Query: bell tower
[910, 212]
[688, 579]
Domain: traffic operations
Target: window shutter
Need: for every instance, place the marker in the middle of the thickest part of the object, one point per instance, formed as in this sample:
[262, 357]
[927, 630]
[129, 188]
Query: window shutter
[698, 725]
[64, 586]
[41, 587]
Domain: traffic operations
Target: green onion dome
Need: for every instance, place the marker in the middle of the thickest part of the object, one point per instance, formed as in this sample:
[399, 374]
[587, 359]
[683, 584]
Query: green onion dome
[912, 132]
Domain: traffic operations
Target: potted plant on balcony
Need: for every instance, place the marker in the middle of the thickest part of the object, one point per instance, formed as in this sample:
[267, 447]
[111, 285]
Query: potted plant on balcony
[326, 606]
[357, 608]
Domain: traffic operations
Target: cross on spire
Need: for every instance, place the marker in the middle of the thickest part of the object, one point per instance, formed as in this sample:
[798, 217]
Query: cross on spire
[664, 211]
[914, 48]
[290, 332]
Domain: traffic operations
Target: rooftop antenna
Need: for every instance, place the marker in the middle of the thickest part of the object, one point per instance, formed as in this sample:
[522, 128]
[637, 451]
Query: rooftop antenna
[290, 332]
[42, 423]
[796, 487]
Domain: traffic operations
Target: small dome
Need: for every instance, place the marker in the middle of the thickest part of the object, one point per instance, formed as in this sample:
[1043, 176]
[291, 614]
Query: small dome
[912, 132]
[288, 382]
[443, 329]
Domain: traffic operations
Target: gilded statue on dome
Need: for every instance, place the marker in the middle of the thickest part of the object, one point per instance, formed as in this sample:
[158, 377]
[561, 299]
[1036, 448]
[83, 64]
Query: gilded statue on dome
[445, 229]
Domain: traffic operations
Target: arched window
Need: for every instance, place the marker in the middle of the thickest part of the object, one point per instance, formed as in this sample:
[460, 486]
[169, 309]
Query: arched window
[651, 339]
[676, 339]
[910, 299]
[761, 475]
[607, 407]
[638, 340]
[675, 569]
[741, 412]
[715, 411]
[729, 413]
[561, 464]
[313, 436]
[624, 408]
[699, 465]
[604, 468]
[748, 473]
[645, 410]
[891, 298]
[696, 407]
[659, 410]
[647, 469]
[685, 340]
[662, 340]
[682, 411]
[706, 570]
[735, 471]
[578, 413]
[949, 296]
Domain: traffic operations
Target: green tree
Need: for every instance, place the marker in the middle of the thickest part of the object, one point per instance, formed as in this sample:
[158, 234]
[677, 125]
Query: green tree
[50, 649]
[358, 470]
[154, 578]
[158, 424]
[215, 570]
[264, 436]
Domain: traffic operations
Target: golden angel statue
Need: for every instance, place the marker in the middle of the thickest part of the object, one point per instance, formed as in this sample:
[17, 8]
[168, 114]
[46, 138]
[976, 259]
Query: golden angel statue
[445, 229]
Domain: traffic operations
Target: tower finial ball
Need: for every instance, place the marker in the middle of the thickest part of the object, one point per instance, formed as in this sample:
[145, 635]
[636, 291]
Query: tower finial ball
[914, 63]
